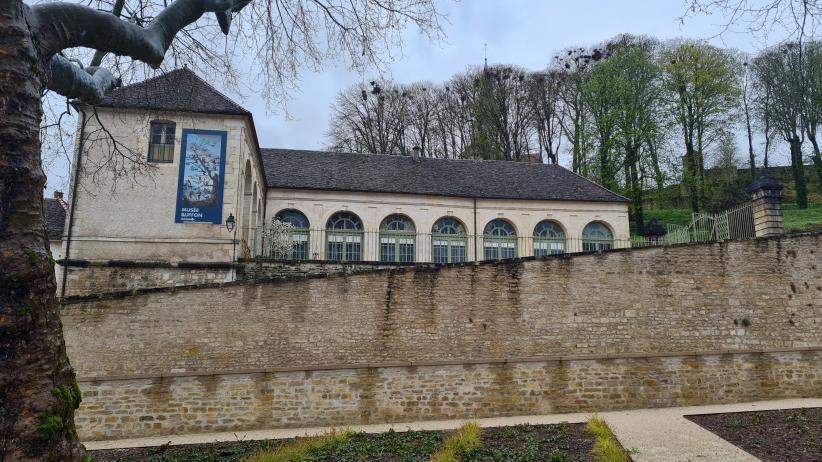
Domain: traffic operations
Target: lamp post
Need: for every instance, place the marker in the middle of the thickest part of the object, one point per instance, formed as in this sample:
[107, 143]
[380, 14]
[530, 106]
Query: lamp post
[231, 226]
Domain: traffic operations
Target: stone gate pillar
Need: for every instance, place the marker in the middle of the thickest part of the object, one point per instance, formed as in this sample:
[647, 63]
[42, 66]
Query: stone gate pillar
[766, 195]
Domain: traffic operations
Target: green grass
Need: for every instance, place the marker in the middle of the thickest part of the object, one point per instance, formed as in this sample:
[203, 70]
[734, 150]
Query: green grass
[300, 449]
[606, 446]
[796, 219]
[465, 439]
[809, 219]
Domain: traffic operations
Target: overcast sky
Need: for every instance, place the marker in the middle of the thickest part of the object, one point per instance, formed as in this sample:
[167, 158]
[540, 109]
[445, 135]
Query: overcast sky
[521, 32]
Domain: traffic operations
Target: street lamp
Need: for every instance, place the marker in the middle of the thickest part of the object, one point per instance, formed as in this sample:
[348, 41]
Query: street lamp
[231, 226]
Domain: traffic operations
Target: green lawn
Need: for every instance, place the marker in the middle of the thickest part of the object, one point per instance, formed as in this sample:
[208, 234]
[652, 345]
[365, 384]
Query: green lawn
[796, 219]
[809, 219]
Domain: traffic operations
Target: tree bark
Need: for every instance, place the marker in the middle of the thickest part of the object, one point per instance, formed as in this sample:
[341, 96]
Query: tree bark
[38, 391]
[798, 172]
[817, 157]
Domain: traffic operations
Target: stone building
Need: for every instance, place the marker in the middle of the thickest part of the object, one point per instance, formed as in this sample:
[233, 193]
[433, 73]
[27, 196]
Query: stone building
[189, 162]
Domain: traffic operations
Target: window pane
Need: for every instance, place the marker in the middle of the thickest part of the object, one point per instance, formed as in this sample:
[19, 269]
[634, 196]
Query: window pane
[334, 250]
[548, 247]
[300, 246]
[387, 247]
[458, 252]
[439, 252]
[406, 247]
[161, 142]
[293, 217]
[352, 250]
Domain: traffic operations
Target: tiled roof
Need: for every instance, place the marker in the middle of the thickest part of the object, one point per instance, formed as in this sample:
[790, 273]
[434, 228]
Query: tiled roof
[298, 169]
[178, 91]
[55, 216]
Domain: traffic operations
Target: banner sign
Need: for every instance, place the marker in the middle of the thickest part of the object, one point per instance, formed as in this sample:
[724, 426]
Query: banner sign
[202, 177]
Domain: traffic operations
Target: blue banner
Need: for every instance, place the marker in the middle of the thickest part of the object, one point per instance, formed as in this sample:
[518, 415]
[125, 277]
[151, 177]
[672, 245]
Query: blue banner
[202, 177]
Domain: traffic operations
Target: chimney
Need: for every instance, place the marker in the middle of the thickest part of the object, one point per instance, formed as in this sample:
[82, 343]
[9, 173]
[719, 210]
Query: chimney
[415, 152]
[58, 195]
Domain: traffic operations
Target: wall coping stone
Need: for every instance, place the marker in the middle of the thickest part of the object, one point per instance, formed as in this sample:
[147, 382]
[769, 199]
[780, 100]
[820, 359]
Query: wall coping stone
[69, 300]
[489, 361]
[80, 263]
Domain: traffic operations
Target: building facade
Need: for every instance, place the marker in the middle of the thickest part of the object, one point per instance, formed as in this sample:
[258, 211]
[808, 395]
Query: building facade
[163, 167]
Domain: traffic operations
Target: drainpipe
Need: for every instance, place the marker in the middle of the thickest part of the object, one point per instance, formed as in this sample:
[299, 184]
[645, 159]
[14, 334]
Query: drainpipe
[73, 200]
[476, 233]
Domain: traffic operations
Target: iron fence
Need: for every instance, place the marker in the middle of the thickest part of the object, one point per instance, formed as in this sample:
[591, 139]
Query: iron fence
[404, 247]
[376, 246]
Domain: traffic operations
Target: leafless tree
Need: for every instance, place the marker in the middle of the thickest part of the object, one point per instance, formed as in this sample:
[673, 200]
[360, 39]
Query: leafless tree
[780, 71]
[795, 19]
[545, 88]
[370, 118]
[271, 38]
[573, 67]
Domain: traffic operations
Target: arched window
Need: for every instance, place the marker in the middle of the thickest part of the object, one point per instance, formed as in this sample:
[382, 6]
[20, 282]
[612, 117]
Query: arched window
[597, 236]
[344, 237]
[500, 240]
[397, 239]
[299, 231]
[448, 241]
[549, 239]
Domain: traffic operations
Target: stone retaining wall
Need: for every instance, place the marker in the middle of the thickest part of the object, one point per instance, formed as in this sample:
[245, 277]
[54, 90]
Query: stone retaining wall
[615, 330]
[138, 407]
[741, 295]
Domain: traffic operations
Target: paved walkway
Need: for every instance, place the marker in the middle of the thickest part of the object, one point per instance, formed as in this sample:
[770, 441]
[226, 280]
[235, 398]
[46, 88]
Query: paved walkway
[654, 435]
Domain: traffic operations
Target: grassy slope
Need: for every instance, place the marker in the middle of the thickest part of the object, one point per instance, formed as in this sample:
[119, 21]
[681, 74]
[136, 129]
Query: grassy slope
[809, 219]
[796, 219]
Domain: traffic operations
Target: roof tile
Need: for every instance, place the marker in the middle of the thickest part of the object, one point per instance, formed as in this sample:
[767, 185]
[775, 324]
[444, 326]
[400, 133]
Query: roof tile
[55, 216]
[343, 171]
[180, 90]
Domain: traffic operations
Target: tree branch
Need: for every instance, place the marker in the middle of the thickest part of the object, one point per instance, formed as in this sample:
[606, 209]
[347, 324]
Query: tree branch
[65, 25]
[116, 10]
[89, 85]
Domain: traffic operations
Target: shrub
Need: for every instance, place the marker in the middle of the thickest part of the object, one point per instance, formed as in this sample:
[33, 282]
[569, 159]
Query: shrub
[300, 449]
[606, 447]
[465, 439]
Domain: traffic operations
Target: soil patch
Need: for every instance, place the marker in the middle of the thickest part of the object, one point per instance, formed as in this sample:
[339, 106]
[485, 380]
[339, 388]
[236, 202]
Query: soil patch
[521, 443]
[781, 435]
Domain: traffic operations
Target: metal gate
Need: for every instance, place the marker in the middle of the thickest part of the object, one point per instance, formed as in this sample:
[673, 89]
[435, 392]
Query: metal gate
[735, 223]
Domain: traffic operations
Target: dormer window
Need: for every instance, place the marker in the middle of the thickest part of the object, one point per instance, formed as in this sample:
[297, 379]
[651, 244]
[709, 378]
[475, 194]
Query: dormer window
[161, 145]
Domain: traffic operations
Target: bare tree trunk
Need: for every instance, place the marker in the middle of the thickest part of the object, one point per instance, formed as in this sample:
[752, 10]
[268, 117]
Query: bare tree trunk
[817, 157]
[689, 176]
[798, 172]
[751, 156]
[38, 391]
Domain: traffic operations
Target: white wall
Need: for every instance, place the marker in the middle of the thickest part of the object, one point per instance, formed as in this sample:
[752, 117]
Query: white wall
[372, 208]
[134, 219]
